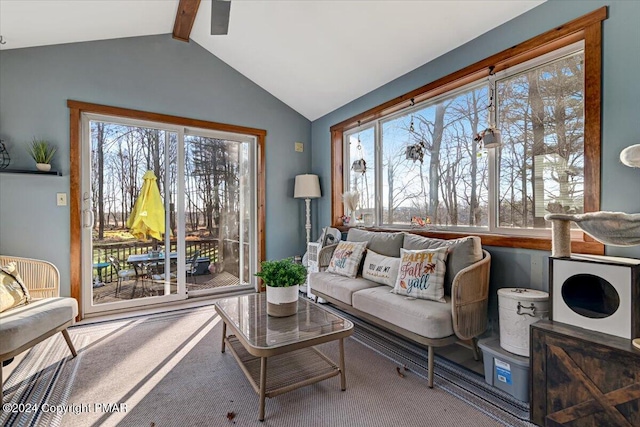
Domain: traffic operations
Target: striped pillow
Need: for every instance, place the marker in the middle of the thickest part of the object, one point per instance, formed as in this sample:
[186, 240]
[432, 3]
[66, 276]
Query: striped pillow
[346, 258]
[421, 274]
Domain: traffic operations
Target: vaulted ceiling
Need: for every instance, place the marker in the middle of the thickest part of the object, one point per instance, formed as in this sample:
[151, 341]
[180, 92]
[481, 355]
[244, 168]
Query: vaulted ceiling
[314, 55]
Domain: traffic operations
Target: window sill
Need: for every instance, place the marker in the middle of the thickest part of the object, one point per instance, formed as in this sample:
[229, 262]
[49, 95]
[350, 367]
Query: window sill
[590, 247]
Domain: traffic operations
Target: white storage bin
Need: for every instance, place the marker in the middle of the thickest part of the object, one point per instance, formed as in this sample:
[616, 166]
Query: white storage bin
[519, 308]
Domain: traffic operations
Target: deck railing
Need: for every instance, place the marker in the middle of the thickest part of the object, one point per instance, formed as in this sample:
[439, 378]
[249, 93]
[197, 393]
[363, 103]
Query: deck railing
[121, 250]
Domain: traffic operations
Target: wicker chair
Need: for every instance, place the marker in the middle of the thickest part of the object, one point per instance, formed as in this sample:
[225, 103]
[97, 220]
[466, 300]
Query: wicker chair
[20, 331]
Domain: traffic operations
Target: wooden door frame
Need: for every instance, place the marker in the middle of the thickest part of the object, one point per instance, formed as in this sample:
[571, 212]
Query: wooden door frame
[76, 109]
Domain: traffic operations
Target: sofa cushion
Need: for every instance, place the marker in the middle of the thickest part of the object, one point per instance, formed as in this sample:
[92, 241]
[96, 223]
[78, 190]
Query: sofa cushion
[427, 318]
[339, 287]
[22, 324]
[387, 244]
[421, 274]
[463, 252]
[380, 269]
[13, 291]
[346, 258]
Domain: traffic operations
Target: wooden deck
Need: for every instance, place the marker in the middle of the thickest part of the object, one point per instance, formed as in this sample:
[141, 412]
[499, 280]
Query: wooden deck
[132, 289]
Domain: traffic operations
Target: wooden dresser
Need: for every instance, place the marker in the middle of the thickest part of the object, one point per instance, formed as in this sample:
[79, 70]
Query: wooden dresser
[581, 378]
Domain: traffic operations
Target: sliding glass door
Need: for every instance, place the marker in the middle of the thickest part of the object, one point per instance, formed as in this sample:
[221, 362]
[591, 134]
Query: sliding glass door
[167, 211]
[219, 202]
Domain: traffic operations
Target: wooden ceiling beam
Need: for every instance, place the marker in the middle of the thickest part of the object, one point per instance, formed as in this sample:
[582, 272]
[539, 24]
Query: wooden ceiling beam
[185, 17]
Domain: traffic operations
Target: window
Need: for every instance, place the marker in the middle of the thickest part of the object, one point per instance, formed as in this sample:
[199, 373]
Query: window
[424, 164]
[540, 166]
[449, 184]
[541, 161]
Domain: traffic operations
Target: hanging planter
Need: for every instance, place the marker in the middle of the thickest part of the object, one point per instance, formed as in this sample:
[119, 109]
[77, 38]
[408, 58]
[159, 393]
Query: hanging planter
[414, 152]
[489, 138]
[359, 166]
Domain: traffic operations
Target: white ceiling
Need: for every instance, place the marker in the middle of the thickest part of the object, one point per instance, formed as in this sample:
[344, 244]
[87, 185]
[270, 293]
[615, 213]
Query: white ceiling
[314, 55]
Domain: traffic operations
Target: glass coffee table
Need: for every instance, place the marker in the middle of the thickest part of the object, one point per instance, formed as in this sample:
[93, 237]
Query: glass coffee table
[277, 354]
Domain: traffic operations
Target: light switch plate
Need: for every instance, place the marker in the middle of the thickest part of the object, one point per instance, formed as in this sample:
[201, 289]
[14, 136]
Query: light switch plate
[299, 147]
[61, 199]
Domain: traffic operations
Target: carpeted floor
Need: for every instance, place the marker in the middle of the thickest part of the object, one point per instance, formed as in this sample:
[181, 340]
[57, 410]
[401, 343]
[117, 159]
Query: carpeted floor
[167, 370]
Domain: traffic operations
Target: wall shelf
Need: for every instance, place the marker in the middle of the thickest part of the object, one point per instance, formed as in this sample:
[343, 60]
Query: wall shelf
[32, 172]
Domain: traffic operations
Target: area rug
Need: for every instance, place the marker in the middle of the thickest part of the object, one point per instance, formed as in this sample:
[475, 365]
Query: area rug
[167, 370]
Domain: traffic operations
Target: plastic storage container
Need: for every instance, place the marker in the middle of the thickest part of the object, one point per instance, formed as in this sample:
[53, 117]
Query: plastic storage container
[504, 370]
[519, 308]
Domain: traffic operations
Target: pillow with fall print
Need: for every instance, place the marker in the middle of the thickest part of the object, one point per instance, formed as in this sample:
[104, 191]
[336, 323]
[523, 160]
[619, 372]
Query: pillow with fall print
[346, 258]
[421, 274]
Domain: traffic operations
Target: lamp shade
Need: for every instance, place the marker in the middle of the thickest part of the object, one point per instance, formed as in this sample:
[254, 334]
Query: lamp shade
[307, 187]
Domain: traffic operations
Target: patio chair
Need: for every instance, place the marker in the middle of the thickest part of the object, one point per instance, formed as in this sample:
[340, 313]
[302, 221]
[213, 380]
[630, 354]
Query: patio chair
[127, 274]
[192, 264]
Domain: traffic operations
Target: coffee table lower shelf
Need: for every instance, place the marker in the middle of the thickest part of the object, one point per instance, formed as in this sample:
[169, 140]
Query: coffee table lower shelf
[285, 372]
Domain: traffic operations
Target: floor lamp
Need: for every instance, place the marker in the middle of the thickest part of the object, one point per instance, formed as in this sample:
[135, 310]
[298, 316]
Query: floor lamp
[307, 187]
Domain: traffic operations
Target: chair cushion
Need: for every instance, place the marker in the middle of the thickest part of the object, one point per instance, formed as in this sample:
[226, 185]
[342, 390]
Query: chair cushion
[13, 291]
[462, 253]
[387, 244]
[339, 287]
[25, 323]
[427, 318]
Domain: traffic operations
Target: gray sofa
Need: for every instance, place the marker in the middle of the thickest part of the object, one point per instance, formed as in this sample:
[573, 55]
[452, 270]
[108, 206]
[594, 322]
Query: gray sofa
[463, 317]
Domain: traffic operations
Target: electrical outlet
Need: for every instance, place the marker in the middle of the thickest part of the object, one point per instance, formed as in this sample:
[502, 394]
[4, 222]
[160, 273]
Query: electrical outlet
[299, 147]
[61, 199]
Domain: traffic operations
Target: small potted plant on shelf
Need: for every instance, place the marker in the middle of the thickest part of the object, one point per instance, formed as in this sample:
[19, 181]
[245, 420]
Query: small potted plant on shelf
[282, 278]
[42, 153]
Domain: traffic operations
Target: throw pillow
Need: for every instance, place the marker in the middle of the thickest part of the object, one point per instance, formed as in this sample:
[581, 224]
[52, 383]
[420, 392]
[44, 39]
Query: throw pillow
[346, 258]
[13, 291]
[463, 252]
[380, 269]
[421, 274]
[387, 244]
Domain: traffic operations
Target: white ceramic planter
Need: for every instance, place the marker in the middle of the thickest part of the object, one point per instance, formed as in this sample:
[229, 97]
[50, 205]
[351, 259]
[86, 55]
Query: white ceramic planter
[282, 301]
[43, 167]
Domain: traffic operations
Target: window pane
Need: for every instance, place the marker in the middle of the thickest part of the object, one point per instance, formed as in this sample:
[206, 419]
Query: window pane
[450, 185]
[362, 179]
[213, 209]
[541, 117]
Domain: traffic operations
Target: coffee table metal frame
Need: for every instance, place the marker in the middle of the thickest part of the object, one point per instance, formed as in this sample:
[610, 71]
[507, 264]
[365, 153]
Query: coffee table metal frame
[279, 379]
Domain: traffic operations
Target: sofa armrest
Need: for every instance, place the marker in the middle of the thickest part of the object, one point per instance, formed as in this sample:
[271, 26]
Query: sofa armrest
[470, 299]
[42, 278]
[324, 256]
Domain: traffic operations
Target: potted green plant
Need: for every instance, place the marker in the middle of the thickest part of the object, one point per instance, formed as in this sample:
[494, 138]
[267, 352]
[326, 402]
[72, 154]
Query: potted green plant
[282, 278]
[42, 153]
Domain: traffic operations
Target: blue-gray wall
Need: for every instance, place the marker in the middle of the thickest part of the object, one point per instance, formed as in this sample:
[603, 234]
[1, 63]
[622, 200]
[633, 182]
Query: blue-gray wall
[156, 74]
[620, 107]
